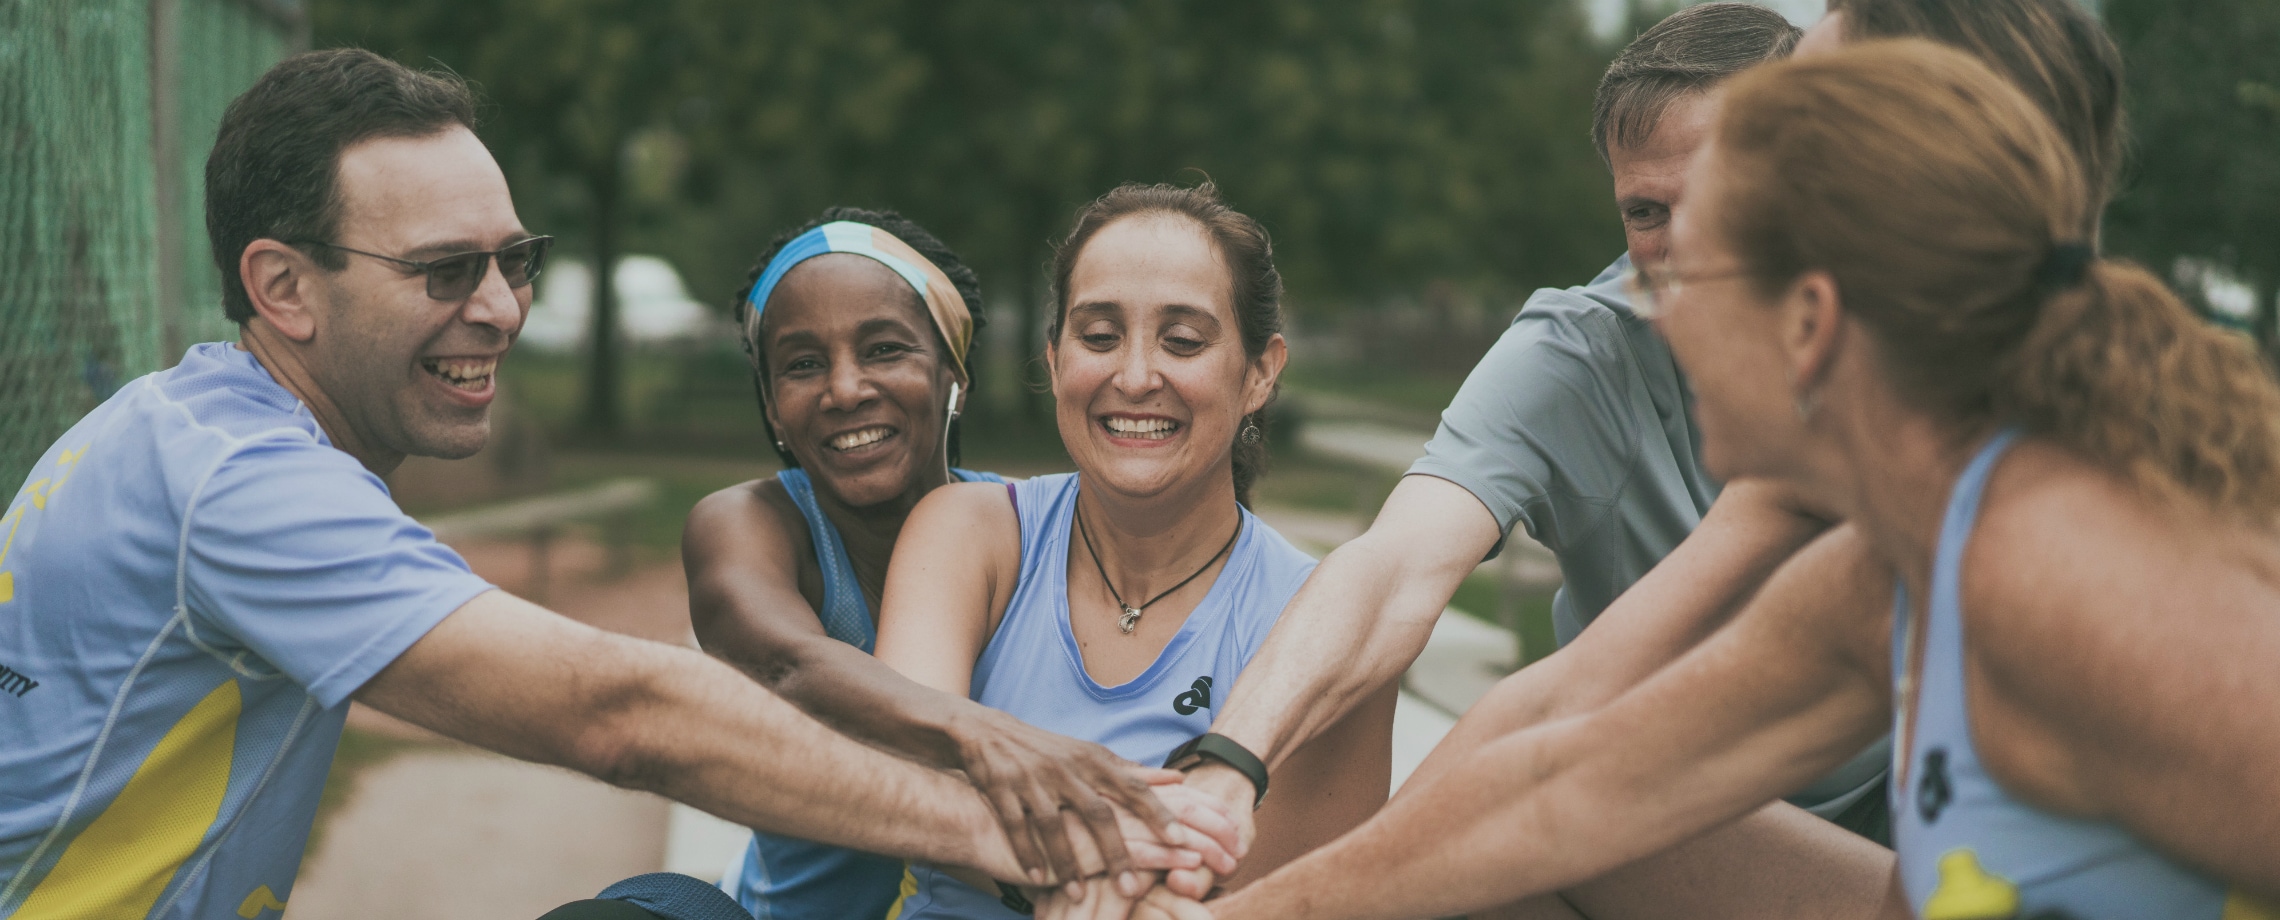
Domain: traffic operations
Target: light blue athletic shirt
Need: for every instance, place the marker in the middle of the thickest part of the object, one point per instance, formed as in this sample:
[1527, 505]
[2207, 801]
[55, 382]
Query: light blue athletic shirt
[1032, 668]
[192, 583]
[1968, 850]
[788, 878]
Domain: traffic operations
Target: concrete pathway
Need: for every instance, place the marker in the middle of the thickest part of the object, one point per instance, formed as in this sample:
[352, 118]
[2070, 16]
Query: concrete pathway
[456, 833]
[1366, 443]
[443, 831]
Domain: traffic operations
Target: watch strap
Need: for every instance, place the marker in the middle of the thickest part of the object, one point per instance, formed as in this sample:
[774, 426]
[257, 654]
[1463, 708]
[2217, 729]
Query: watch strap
[1014, 900]
[1225, 750]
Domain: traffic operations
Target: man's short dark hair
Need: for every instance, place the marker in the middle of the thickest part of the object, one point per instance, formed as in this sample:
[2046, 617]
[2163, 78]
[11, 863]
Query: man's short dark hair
[272, 172]
[1688, 52]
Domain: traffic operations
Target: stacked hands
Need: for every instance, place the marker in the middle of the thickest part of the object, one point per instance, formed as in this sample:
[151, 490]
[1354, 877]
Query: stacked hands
[1098, 837]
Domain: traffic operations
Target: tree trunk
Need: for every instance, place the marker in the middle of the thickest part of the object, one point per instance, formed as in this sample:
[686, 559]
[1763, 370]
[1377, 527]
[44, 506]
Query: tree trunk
[602, 417]
[2265, 320]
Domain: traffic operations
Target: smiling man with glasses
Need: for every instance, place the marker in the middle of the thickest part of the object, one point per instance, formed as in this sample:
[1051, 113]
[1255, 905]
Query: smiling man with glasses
[201, 574]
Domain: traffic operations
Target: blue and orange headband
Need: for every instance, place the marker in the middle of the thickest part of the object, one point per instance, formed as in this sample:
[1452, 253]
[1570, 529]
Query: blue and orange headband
[943, 303]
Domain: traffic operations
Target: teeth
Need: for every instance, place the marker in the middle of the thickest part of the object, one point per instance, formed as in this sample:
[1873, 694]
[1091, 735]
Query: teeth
[855, 439]
[470, 374]
[1141, 428]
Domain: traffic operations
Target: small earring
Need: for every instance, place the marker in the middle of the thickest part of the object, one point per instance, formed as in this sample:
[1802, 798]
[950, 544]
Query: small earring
[780, 448]
[1805, 403]
[1251, 433]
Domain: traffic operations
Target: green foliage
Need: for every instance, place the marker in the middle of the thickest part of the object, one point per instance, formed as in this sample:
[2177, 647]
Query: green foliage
[1386, 143]
[2205, 108]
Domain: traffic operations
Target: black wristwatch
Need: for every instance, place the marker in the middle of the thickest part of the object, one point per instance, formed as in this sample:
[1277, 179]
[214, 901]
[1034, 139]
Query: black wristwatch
[1015, 901]
[1223, 749]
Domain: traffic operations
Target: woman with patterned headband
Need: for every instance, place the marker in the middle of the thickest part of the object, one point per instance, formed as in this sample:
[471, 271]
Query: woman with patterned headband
[1118, 604]
[858, 326]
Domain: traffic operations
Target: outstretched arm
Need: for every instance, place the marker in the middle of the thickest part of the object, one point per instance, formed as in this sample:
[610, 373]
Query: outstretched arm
[1358, 622]
[746, 605]
[511, 676]
[1703, 741]
[1370, 606]
[1751, 530]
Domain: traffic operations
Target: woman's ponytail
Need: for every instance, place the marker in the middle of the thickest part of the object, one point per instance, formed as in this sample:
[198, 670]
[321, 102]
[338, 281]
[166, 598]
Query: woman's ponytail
[2119, 370]
[1942, 201]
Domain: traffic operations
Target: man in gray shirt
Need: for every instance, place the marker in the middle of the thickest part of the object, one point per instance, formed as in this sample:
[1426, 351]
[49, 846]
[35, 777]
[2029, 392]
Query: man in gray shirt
[1576, 426]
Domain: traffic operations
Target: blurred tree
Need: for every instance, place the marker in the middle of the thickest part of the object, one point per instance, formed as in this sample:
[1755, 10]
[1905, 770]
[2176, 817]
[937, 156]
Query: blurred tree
[2204, 103]
[570, 85]
[1389, 144]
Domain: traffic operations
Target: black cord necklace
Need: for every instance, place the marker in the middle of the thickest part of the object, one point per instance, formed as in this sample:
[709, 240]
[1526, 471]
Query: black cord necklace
[1131, 616]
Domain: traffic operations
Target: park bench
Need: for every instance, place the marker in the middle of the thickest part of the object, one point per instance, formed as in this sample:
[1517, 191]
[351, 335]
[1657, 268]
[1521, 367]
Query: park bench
[540, 519]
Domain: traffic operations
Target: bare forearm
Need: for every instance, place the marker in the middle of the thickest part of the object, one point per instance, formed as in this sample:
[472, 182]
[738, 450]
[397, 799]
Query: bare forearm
[1360, 619]
[1540, 811]
[1354, 627]
[856, 694]
[1490, 830]
[696, 731]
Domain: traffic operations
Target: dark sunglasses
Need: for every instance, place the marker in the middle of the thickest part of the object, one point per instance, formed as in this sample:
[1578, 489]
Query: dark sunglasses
[456, 276]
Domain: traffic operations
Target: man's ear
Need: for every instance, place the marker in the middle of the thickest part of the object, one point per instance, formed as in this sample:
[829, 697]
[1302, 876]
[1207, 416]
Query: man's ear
[280, 281]
[1812, 329]
[1264, 371]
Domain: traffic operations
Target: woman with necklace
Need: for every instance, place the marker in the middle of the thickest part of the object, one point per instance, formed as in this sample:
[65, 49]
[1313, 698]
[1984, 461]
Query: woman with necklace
[1118, 604]
[858, 326]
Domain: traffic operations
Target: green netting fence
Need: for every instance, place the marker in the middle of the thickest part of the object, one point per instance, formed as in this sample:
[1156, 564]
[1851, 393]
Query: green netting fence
[107, 110]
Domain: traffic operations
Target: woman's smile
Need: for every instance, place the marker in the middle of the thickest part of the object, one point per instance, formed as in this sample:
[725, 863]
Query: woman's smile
[851, 442]
[1132, 430]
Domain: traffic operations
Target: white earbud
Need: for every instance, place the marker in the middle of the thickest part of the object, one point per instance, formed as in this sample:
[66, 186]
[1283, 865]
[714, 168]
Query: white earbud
[953, 406]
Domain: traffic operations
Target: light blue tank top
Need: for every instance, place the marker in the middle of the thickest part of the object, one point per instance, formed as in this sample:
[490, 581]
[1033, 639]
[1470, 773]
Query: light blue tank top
[1970, 851]
[1033, 669]
[787, 878]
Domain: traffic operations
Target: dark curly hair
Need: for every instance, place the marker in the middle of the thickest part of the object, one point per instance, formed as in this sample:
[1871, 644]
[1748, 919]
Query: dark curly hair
[961, 277]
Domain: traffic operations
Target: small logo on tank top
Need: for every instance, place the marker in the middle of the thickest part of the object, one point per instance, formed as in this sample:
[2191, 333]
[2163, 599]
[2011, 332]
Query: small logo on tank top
[1934, 794]
[1197, 697]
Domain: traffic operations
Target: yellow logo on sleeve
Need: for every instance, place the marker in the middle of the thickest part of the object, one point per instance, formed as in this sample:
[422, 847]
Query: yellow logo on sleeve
[1968, 892]
[39, 491]
[262, 899]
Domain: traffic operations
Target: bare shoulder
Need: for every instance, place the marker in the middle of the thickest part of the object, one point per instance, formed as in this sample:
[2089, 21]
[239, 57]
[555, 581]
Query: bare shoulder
[974, 504]
[2100, 625]
[977, 508]
[752, 519]
[2065, 554]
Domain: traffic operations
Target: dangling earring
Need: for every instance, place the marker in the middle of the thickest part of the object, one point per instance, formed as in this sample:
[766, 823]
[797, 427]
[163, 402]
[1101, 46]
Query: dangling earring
[1250, 433]
[780, 448]
[1805, 403]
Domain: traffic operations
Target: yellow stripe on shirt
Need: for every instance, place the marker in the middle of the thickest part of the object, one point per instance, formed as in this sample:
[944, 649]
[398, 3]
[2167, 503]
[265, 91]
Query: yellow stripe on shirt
[119, 865]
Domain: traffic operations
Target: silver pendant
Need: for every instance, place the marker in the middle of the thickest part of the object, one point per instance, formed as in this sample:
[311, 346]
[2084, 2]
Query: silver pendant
[1130, 619]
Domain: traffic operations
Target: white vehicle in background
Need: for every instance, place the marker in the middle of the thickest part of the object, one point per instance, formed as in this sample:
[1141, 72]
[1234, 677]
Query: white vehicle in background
[653, 305]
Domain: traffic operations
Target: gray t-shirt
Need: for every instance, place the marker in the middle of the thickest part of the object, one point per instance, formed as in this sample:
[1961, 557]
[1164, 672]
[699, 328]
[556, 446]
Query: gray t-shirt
[1577, 426]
